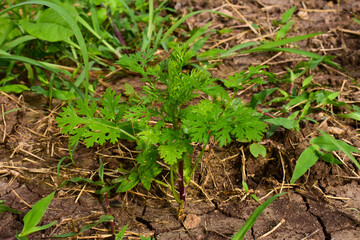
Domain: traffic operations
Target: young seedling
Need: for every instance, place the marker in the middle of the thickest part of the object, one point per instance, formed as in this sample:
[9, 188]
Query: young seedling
[168, 118]
[33, 217]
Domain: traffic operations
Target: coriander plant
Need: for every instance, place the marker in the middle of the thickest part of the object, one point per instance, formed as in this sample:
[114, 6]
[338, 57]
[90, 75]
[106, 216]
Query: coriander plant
[167, 117]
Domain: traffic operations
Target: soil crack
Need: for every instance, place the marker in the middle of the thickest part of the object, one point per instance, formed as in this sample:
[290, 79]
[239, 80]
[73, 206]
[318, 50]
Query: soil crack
[318, 218]
[145, 222]
[253, 233]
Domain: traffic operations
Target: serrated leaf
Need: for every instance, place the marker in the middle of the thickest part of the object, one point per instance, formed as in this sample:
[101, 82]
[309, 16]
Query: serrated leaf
[148, 169]
[249, 131]
[221, 132]
[172, 152]
[112, 108]
[306, 160]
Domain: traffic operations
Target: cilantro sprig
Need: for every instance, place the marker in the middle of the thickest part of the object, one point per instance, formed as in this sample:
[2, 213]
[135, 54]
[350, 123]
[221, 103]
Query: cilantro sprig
[167, 117]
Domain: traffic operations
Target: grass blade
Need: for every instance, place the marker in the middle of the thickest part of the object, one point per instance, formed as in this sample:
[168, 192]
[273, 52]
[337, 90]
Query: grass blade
[72, 23]
[285, 41]
[181, 20]
[250, 222]
[4, 208]
[295, 51]
[10, 45]
[103, 218]
[6, 56]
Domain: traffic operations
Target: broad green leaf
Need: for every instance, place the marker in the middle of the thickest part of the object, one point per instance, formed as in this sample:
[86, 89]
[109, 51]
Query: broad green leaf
[52, 16]
[16, 88]
[257, 149]
[73, 25]
[50, 26]
[284, 122]
[250, 222]
[306, 160]
[324, 143]
[344, 147]
[33, 217]
[47, 31]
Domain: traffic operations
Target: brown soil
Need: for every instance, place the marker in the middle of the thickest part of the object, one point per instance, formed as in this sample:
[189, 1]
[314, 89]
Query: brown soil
[320, 206]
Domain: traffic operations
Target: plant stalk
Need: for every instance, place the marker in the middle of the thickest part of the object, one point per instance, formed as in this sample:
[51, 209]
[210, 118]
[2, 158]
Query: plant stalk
[108, 208]
[182, 189]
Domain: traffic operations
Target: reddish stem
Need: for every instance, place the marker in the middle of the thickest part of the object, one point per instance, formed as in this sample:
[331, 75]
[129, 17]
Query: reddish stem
[108, 208]
[267, 114]
[182, 188]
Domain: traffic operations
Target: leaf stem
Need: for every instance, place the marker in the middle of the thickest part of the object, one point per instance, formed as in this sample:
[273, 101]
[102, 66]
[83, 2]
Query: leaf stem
[175, 193]
[182, 188]
[199, 158]
[108, 208]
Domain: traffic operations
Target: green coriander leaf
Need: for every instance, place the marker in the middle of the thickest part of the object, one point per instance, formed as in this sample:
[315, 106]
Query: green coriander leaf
[172, 152]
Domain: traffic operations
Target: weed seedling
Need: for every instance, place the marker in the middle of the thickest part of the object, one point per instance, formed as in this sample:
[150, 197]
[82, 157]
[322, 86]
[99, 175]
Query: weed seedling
[168, 118]
[32, 218]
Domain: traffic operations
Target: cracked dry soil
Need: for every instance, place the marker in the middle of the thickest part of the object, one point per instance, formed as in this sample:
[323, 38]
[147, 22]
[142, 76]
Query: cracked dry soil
[320, 206]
